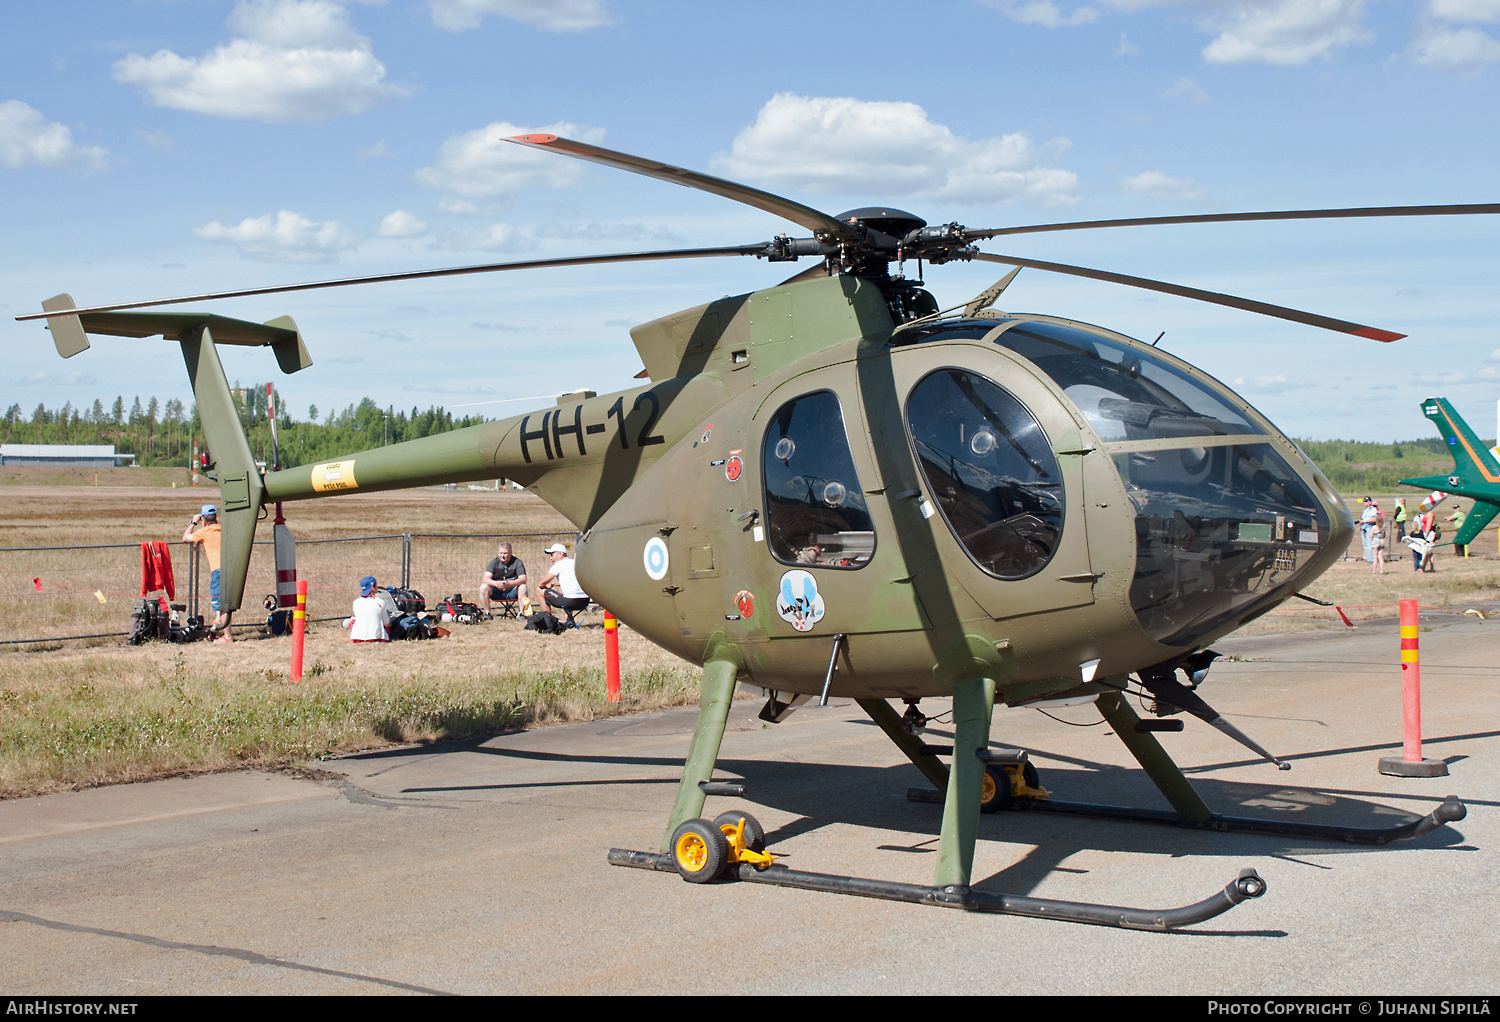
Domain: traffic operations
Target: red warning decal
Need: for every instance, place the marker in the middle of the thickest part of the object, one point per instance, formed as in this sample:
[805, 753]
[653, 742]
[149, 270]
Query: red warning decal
[745, 601]
[734, 468]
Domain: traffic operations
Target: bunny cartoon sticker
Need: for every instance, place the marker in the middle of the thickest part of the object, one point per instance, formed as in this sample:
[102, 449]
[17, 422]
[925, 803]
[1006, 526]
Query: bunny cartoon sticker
[798, 602]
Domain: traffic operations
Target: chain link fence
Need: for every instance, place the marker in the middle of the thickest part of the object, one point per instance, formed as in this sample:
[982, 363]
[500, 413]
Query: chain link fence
[57, 594]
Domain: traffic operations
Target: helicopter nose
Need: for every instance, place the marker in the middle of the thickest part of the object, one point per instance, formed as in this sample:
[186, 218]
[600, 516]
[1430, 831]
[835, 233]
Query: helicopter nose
[1223, 534]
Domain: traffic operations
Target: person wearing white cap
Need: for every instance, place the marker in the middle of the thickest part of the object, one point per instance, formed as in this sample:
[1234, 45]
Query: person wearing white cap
[561, 584]
[204, 528]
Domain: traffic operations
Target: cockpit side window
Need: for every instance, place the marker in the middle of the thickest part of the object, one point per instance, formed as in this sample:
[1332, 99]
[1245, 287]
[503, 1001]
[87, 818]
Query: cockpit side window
[1125, 393]
[815, 510]
[990, 469]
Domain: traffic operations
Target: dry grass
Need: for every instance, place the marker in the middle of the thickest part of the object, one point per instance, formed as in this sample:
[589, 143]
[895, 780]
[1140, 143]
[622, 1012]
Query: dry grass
[82, 717]
[1457, 584]
[76, 714]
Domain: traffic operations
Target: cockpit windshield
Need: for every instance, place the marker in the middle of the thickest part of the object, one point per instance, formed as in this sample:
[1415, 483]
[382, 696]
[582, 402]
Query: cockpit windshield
[1125, 393]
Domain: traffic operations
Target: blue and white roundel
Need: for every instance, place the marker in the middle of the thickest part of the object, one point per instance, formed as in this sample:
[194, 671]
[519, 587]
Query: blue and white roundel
[656, 558]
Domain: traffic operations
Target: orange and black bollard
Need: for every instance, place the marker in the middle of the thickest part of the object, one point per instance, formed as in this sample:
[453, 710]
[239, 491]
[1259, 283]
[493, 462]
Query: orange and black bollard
[299, 629]
[611, 657]
[1410, 763]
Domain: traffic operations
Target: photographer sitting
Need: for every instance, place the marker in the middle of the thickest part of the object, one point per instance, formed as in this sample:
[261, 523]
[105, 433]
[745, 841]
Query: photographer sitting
[204, 528]
[561, 584]
[504, 579]
[371, 618]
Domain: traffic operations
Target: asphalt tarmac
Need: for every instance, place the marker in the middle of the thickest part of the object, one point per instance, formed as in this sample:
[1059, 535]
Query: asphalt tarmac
[479, 867]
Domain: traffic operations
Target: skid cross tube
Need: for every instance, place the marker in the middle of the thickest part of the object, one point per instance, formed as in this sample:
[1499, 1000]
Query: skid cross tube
[1244, 887]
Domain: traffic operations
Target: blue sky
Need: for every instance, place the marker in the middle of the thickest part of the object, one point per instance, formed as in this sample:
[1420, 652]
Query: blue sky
[158, 148]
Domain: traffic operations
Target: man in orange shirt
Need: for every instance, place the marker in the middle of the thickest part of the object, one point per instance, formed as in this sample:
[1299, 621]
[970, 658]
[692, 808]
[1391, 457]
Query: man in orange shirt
[204, 528]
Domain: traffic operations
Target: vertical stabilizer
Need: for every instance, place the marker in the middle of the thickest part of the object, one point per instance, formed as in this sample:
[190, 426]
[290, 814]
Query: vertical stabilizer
[1473, 464]
[241, 491]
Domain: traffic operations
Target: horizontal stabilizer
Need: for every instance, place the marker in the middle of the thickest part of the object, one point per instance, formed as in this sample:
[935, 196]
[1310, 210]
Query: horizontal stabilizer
[1480, 515]
[281, 334]
[69, 333]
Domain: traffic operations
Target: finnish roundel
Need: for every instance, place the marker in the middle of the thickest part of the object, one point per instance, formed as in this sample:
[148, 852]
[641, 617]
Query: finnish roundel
[656, 558]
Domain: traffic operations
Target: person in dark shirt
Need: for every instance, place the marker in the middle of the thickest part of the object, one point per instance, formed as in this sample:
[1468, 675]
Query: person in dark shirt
[504, 579]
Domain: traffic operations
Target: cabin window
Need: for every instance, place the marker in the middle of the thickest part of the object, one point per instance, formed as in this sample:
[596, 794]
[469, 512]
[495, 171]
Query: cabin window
[1124, 392]
[815, 510]
[990, 470]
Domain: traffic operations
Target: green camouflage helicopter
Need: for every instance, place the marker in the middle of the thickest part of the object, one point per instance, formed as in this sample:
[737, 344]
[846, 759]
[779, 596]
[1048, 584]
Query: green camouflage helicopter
[833, 487]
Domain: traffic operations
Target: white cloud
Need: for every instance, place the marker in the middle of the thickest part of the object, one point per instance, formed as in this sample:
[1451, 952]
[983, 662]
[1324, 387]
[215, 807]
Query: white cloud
[288, 238]
[846, 145]
[158, 140]
[494, 238]
[480, 164]
[1042, 12]
[1465, 10]
[1275, 384]
[1126, 47]
[551, 15]
[595, 231]
[1457, 379]
[295, 60]
[1153, 184]
[1186, 89]
[1286, 32]
[1454, 49]
[27, 139]
[401, 224]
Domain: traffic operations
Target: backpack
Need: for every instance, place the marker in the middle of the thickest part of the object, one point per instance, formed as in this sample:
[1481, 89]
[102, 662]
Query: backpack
[545, 622]
[455, 609]
[146, 622]
[410, 626]
[408, 601]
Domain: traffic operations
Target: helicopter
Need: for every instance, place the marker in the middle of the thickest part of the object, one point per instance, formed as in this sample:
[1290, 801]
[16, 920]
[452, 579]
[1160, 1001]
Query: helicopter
[834, 487]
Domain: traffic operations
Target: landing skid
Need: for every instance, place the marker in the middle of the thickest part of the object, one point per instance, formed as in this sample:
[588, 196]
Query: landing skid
[1450, 811]
[1244, 887]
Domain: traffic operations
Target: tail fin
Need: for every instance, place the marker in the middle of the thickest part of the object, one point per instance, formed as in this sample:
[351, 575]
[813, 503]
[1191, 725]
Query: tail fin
[241, 492]
[1473, 464]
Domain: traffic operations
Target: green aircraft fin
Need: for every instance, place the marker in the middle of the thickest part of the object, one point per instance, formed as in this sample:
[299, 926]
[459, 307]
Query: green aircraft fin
[1473, 464]
[241, 490]
[1480, 515]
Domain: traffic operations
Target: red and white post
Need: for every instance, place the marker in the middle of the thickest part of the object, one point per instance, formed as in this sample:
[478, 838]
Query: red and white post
[299, 629]
[611, 658]
[1410, 763]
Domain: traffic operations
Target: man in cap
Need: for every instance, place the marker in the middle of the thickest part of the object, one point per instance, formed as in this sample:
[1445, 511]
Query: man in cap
[561, 584]
[1368, 523]
[204, 528]
[370, 620]
[1457, 518]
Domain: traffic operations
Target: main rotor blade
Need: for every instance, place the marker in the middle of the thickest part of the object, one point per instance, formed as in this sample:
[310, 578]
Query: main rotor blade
[454, 271]
[1263, 308]
[1221, 218]
[805, 216]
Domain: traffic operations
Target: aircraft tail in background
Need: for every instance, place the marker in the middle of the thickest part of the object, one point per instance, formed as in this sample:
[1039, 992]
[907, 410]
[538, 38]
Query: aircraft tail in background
[1476, 472]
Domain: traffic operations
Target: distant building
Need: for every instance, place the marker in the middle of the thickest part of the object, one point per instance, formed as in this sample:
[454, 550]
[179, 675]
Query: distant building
[75, 455]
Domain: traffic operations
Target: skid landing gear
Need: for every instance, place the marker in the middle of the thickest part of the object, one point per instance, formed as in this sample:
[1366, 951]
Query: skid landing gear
[1244, 887]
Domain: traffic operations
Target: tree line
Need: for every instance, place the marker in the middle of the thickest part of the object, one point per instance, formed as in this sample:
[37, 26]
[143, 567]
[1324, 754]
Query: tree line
[165, 434]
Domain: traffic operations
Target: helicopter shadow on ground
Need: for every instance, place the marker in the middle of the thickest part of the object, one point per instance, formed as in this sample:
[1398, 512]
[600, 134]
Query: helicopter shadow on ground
[817, 794]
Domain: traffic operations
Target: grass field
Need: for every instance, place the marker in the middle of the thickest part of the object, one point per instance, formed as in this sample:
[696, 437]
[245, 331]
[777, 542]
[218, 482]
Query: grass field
[77, 715]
